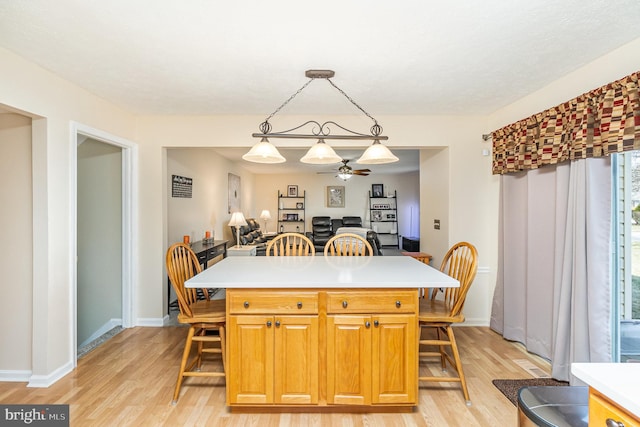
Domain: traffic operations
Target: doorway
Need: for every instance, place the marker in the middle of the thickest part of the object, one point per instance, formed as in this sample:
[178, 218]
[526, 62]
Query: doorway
[99, 239]
[104, 194]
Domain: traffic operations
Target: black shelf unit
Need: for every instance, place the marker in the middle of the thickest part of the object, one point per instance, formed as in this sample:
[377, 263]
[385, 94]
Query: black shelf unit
[383, 218]
[290, 206]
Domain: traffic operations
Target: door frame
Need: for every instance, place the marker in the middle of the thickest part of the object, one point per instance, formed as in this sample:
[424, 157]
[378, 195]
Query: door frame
[129, 224]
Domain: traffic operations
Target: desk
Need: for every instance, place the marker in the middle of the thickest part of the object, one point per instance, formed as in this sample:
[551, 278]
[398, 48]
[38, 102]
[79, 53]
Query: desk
[299, 327]
[208, 251]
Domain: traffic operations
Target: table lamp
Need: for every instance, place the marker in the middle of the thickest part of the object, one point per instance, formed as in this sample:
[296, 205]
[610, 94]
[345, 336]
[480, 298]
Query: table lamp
[237, 221]
[266, 215]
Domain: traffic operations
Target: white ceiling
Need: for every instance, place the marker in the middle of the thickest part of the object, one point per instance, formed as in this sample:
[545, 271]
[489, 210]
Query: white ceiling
[200, 57]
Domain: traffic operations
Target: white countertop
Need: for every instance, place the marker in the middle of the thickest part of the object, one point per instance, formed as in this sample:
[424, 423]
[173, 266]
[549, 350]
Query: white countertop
[321, 272]
[620, 382]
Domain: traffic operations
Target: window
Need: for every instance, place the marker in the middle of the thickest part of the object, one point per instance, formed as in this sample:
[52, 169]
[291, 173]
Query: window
[626, 256]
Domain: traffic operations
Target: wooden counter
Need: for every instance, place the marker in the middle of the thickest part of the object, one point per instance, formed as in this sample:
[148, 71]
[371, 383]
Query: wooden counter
[322, 333]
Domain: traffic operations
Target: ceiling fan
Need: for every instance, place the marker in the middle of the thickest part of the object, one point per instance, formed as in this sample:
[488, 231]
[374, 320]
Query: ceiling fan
[345, 171]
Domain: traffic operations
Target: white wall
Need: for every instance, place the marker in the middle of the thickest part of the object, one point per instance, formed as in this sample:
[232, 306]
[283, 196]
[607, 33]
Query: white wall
[207, 210]
[52, 103]
[16, 246]
[99, 271]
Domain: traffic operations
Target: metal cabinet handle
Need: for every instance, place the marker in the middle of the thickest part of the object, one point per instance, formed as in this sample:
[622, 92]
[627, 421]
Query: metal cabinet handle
[299, 304]
[398, 303]
[376, 323]
[277, 323]
[367, 324]
[246, 304]
[614, 423]
[344, 304]
[268, 323]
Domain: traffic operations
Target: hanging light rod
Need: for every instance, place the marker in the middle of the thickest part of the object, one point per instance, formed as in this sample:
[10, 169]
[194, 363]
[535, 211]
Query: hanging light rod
[321, 152]
[318, 130]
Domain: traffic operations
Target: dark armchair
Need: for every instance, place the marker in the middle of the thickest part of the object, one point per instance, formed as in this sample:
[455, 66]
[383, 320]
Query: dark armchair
[321, 231]
[251, 235]
[324, 227]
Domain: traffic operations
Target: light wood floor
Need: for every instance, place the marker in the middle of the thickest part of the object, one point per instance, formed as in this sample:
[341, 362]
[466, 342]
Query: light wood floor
[129, 380]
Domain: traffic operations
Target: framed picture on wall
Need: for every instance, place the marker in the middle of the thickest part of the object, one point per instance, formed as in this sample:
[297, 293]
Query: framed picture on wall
[234, 193]
[377, 190]
[335, 196]
[292, 191]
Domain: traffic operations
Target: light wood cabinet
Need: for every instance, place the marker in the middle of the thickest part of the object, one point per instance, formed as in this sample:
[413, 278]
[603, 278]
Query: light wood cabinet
[272, 359]
[371, 357]
[322, 347]
[602, 409]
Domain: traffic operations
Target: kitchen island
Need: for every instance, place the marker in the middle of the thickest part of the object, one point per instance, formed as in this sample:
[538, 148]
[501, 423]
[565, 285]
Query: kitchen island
[322, 333]
[614, 392]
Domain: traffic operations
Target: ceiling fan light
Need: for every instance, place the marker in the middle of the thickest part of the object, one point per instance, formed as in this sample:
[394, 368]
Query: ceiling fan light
[321, 154]
[345, 175]
[264, 152]
[377, 154]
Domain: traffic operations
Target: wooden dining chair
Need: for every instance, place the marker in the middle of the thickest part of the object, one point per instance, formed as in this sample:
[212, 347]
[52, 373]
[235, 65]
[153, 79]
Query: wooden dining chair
[202, 316]
[438, 313]
[291, 244]
[347, 244]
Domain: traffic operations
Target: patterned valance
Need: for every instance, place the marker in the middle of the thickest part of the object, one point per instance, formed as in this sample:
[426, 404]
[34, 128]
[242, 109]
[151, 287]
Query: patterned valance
[598, 123]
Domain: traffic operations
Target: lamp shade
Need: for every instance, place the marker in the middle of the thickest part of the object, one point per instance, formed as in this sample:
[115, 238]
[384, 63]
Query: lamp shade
[264, 152]
[377, 154]
[321, 154]
[265, 214]
[237, 220]
[345, 175]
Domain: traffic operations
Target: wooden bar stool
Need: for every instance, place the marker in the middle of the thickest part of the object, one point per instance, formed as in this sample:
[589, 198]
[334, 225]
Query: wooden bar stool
[422, 257]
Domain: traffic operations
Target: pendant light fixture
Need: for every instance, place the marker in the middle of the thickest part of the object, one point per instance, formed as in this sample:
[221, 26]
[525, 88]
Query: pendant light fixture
[264, 152]
[320, 153]
[377, 154]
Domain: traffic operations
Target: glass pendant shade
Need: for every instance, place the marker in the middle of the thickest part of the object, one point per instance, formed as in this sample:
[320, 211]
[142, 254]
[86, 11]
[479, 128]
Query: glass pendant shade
[321, 154]
[377, 154]
[264, 152]
[345, 175]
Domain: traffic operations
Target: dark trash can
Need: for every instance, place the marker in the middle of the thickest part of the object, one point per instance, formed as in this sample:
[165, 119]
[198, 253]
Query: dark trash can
[551, 406]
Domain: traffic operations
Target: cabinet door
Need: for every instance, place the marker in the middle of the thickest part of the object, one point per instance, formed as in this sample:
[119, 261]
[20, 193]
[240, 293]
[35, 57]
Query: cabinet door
[349, 360]
[296, 359]
[395, 360]
[250, 369]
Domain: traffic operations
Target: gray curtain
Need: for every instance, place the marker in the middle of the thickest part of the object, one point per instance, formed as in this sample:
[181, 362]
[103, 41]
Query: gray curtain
[553, 287]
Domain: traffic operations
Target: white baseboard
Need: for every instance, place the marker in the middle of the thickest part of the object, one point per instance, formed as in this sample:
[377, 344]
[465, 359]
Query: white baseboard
[101, 331]
[15, 376]
[473, 322]
[156, 322]
[47, 380]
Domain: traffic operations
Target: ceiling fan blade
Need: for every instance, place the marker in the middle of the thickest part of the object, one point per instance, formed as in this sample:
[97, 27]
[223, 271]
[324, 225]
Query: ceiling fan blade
[361, 173]
[361, 170]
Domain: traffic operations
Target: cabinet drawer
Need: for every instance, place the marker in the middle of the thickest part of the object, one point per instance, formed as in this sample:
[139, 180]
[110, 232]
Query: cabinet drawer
[214, 252]
[372, 302]
[254, 302]
[601, 409]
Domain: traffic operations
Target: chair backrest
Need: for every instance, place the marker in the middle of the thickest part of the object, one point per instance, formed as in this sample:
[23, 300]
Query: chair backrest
[347, 244]
[461, 263]
[182, 264]
[290, 244]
